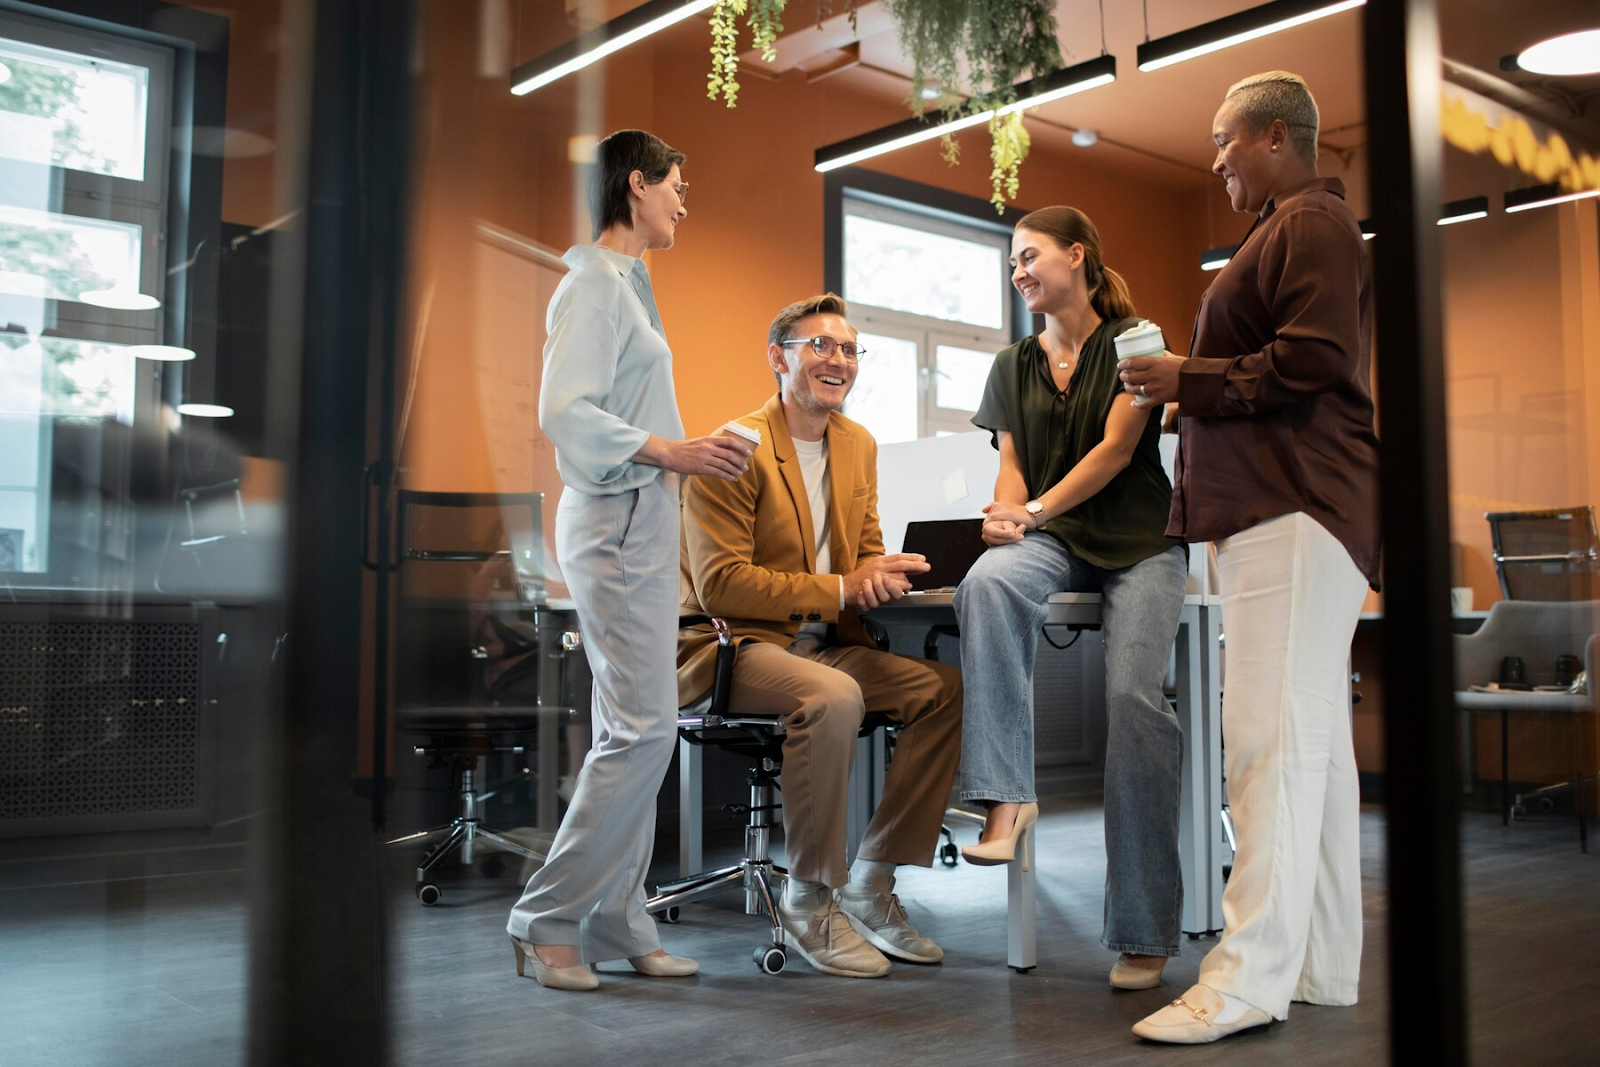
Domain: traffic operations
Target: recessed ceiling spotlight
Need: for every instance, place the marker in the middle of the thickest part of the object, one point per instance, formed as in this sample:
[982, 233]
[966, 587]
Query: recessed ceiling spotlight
[160, 353]
[1083, 138]
[119, 299]
[931, 92]
[1571, 53]
[206, 411]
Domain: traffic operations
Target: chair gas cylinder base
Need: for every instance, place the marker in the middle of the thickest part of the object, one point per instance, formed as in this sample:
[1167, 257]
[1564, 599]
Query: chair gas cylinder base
[460, 834]
[761, 879]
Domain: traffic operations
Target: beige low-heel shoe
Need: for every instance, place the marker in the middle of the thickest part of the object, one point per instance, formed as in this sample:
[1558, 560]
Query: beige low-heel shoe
[668, 966]
[1003, 849]
[578, 978]
[1128, 975]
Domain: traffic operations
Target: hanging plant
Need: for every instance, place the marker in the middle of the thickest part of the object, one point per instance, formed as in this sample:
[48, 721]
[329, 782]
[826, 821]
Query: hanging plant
[999, 42]
[764, 29]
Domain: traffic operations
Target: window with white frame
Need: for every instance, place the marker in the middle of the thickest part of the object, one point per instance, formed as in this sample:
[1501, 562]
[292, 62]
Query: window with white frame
[930, 295]
[85, 129]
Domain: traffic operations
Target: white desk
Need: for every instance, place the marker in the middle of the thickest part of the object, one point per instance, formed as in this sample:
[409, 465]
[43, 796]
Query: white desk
[1203, 850]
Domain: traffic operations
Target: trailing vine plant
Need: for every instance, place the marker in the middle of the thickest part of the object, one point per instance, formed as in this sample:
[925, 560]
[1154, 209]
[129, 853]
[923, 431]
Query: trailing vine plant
[999, 41]
[763, 20]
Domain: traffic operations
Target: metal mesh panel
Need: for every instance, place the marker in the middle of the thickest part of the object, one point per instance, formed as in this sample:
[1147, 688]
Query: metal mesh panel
[98, 719]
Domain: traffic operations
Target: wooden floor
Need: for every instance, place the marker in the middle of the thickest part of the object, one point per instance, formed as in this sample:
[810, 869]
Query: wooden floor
[146, 967]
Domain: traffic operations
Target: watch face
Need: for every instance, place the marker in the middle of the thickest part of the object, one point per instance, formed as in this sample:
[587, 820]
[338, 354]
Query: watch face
[1033, 507]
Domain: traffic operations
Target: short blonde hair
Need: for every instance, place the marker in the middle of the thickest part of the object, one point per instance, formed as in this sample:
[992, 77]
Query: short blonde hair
[1277, 94]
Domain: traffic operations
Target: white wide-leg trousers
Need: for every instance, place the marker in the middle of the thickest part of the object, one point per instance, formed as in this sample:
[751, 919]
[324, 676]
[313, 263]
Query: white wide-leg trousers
[1291, 596]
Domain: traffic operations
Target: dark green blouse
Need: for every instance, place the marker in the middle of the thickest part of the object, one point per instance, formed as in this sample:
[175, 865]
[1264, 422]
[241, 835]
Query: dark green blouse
[1125, 522]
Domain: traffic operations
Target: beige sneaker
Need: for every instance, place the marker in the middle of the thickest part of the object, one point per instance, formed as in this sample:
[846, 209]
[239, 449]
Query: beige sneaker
[882, 921]
[828, 942]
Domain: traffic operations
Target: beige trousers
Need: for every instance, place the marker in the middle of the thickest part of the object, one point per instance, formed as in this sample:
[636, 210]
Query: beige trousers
[822, 692]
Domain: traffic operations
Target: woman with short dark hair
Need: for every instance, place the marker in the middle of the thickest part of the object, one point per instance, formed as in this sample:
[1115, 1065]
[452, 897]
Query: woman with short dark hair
[1278, 467]
[607, 404]
[1080, 505]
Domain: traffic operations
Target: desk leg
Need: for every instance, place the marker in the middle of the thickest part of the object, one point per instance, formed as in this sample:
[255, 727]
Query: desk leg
[1200, 806]
[691, 809]
[1022, 951]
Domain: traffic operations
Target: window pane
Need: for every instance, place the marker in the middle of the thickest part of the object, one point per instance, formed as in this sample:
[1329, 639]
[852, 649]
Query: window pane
[68, 110]
[59, 257]
[884, 398]
[54, 376]
[960, 375]
[906, 269]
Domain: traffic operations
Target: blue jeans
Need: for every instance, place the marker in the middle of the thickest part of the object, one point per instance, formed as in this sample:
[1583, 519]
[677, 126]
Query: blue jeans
[1001, 607]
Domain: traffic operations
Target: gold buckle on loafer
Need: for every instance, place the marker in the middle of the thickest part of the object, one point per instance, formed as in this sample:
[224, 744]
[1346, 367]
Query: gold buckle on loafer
[1199, 1013]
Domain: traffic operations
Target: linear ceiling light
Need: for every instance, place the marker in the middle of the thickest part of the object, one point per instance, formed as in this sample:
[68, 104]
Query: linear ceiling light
[1217, 258]
[1542, 196]
[595, 45]
[1235, 29]
[1076, 79]
[1474, 207]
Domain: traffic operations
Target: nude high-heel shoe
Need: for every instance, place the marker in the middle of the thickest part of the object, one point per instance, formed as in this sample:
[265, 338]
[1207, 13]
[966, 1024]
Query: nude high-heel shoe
[668, 966]
[577, 978]
[1003, 849]
[1127, 975]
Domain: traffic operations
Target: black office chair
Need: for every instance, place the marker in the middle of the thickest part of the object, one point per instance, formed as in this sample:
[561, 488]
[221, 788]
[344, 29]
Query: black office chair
[1546, 555]
[758, 738]
[483, 660]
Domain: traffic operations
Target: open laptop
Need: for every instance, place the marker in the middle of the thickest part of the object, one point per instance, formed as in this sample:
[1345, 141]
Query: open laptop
[952, 547]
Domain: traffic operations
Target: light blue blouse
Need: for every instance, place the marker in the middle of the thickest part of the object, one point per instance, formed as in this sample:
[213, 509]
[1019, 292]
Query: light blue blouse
[607, 382]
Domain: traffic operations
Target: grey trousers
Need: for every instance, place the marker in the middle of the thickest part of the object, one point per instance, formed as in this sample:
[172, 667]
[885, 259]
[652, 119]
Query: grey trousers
[620, 557]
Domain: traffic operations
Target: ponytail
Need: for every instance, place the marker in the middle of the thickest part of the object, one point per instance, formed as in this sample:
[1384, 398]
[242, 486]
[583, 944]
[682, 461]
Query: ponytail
[1111, 299]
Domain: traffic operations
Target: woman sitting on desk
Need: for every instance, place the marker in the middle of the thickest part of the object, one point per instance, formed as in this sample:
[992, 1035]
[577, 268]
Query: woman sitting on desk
[1080, 505]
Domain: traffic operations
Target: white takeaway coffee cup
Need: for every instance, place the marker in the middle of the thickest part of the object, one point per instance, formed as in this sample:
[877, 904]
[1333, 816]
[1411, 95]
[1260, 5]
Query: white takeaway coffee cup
[739, 429]
[1142, 340]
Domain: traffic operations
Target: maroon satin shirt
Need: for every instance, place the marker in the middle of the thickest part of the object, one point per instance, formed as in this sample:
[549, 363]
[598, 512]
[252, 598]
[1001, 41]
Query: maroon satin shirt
[1276, 397]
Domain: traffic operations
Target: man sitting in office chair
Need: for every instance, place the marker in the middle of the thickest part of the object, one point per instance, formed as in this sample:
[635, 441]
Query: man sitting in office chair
[788, 554]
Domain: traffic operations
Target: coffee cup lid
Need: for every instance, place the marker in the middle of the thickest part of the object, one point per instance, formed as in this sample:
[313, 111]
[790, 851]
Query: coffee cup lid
[739, 429]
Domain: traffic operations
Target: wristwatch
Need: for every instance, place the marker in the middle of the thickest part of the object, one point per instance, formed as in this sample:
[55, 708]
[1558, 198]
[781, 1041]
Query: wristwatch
[1034, 508]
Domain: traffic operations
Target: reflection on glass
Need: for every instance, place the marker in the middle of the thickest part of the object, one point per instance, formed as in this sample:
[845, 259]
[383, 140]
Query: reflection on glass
[884, 398]
[923, 273]
[57, 257]
[68, 110]
[55, 376]
[960, 375]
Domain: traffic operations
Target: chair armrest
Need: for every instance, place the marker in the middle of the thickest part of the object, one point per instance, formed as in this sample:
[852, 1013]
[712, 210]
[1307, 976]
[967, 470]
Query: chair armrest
[875, 633]
[1591, 660]
[722, 672]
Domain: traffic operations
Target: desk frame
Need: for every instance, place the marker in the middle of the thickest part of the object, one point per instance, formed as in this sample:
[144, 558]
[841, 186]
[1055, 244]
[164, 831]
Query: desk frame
[1202, 847]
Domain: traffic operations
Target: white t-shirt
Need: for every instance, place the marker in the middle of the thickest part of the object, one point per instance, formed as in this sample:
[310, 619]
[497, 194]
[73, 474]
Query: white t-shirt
[813, 457]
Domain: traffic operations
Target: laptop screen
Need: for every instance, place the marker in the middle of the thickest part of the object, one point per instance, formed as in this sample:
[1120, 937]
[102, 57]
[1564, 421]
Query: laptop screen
[952, 547]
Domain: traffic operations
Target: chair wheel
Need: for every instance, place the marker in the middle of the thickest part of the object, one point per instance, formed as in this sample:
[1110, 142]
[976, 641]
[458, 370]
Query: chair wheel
[949, 855]
[770, 958]
[428, 894]
[1518, 811]
[669, 915]
[1547, 804]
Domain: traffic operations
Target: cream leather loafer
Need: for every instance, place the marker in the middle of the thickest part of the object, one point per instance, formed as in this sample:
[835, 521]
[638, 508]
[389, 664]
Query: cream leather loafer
[1190, 1020]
